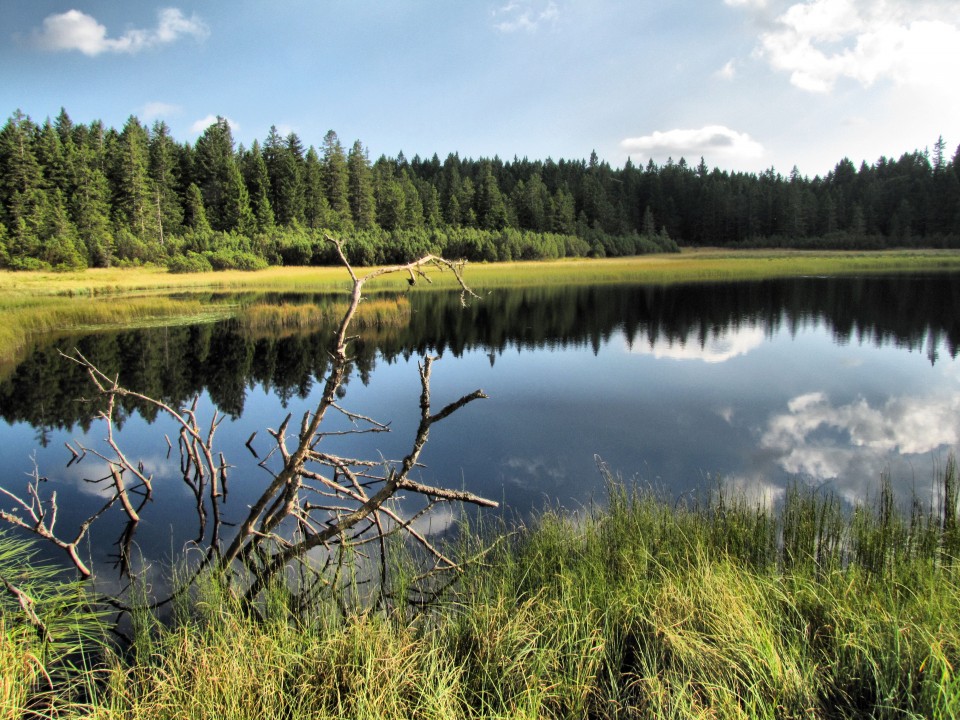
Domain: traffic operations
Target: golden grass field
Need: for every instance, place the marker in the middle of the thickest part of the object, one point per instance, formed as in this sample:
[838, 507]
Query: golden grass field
[45, 304]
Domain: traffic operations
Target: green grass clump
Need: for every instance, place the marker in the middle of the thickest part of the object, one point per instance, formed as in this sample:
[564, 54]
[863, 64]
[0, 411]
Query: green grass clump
[49, 634]
[637, 608]
[373, 313]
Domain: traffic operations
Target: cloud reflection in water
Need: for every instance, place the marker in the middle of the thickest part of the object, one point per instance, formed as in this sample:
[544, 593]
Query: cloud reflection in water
[718, 347]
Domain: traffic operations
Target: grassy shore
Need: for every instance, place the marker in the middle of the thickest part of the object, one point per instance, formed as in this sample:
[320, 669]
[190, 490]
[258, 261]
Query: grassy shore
[638, 608]
[37, 304]
[687, 266]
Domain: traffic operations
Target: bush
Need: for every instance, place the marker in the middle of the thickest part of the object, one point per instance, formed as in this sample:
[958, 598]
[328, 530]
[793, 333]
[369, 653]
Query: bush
[235, 260]
[190, 263]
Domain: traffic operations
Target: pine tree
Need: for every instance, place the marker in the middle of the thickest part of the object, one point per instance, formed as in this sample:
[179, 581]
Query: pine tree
[451, 188]
[391, 204]
[237, 214]
[532, 202]
[360, 188]
[316, 208]
[58, 237]
[225, 197]
[195, 218]
[20, 175]
[212, 157]
[430, 202]
[258, 185]
[413, 207]
[134, 197]
[490, 208]
[564, 212]
[89, 206]
[336, 181]
[291, 182]
[163, 173]
[64, 126]
[51, 157]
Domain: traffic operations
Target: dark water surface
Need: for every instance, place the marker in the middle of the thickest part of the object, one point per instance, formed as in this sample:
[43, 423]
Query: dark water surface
[830, 381]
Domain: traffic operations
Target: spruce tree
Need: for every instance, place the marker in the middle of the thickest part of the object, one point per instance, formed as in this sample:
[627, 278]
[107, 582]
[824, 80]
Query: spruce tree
[336, 181]
[213, 158]
[163, 169]
[89, 206]
[134, 198]
[360, 188]
[195, 220]
[258, 185]
[316, 208]
[20, 174]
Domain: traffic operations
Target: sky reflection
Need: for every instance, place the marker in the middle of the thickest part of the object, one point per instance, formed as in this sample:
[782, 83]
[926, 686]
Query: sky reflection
[671, 388]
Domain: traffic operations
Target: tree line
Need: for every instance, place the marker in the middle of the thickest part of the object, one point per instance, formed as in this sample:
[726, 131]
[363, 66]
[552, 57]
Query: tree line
[75, 195]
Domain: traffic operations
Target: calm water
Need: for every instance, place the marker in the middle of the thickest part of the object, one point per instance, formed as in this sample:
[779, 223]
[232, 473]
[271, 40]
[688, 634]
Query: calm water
[828, 381]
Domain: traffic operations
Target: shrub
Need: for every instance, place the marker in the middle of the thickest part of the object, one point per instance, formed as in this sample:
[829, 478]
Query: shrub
[190, 263]
[235, 260]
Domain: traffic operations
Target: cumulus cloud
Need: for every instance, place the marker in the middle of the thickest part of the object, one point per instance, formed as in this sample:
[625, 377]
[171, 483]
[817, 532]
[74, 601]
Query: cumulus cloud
[715, 141]
[525, 15]
[821, 41]
[816, 437]
[716, 348]
[75, 30]
[203, 123]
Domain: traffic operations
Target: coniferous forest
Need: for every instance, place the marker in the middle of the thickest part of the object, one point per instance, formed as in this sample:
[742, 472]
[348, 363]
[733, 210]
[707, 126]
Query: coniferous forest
[75, 195]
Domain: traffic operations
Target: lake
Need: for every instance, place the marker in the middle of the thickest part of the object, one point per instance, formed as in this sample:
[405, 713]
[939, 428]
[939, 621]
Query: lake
[825, 381]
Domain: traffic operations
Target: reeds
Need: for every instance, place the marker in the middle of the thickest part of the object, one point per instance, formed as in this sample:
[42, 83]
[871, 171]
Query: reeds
[36, 304]
[28, 320]
[721, 608]
[373, 313]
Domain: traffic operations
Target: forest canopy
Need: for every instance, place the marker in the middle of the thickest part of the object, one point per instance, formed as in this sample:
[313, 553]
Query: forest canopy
[75, 195]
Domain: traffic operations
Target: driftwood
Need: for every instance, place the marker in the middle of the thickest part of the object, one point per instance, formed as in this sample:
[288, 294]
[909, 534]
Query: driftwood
[317, 513]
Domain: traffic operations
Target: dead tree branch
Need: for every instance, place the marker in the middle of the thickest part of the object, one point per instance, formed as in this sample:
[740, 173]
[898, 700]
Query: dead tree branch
[317, 509]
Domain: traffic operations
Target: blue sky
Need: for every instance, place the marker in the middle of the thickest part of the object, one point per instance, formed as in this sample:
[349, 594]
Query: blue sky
[747, 84]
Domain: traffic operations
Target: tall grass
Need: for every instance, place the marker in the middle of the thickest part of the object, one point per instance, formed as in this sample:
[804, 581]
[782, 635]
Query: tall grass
[48, 633]
[721, 608]
[373, 313]
[36, 304]
[27, 320]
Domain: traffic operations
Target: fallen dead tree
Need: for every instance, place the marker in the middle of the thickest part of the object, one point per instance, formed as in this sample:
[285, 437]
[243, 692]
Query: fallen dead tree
[318, 511]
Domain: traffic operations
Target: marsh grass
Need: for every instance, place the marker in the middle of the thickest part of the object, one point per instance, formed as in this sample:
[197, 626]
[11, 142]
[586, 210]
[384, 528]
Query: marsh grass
[42, 305]
[26, 321]
[373, 313]
[715, 608]
[48, 632]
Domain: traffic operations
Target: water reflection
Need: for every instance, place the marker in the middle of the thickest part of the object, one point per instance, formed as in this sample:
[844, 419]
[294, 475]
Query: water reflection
[709, 322]
[833, 381]
[719, 347]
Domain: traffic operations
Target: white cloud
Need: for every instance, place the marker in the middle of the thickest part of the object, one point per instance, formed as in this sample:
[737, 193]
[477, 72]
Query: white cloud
[203, 123]
[521, 470]
[715, 141]
[154, 110]
[818, 438]
[75, 30]
[754, 490]
[907, 42]
[526, 15]
[716, 348]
